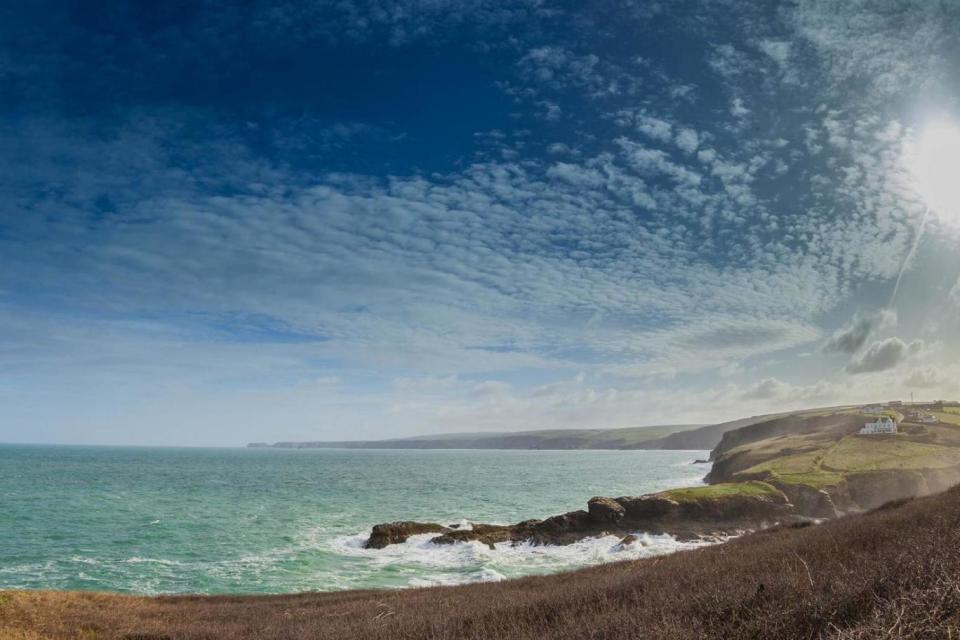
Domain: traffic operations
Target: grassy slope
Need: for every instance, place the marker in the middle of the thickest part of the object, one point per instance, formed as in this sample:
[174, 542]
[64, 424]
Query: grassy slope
[891, 573]
[869, 453]
[823, 458]
[721, 490]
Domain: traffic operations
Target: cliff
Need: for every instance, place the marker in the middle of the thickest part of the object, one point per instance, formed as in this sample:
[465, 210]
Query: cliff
[827, 468]
[550, 439]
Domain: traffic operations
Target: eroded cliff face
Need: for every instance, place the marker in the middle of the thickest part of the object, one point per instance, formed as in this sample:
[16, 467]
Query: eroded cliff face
[869, 490]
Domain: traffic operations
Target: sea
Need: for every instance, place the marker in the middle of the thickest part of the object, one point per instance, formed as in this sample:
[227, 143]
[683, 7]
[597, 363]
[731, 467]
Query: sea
[245, 521]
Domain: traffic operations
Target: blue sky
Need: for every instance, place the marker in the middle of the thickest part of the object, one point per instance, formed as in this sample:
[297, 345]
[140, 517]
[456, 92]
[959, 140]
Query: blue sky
[223, 222]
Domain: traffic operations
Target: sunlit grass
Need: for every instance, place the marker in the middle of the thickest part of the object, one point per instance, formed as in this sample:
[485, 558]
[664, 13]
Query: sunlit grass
[723, 490]
[874, 453]
[950, 417]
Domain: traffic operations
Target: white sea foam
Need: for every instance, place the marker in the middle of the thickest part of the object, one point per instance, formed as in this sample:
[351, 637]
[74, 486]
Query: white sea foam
[139, 560]
[428, 564]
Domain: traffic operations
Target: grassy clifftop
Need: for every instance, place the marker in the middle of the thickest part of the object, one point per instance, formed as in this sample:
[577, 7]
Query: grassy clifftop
[721, 491]
[823, 457]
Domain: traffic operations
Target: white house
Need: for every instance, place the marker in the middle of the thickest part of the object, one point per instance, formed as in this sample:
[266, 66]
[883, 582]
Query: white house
[882, 425]
[873, 409]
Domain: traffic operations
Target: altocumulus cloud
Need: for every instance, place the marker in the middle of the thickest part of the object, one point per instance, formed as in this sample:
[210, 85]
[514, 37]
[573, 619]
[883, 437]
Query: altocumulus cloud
[559, 194]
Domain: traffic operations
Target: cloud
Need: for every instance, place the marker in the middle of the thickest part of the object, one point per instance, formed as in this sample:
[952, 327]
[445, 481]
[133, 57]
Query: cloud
[926, 378]
[557, 67]
[851, 338]
[883, 355]
[780, 51]
[688, 140]
[766, 389]
[653, 127]
[651, 241]
[738, 109]
[654, 162]
[728, 61]
[889, 52]
[777, 394]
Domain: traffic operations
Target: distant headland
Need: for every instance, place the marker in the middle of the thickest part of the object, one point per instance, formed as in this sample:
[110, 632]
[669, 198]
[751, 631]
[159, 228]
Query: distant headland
[675, 436]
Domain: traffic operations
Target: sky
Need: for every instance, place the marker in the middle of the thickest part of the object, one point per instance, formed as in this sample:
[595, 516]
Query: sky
[224, 222]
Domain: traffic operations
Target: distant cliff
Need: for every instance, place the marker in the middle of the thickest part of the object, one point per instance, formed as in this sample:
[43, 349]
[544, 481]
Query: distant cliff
[554, 439]
[704, 438]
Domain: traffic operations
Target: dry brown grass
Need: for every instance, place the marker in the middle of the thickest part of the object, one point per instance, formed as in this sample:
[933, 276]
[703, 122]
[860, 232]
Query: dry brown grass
[892, 573]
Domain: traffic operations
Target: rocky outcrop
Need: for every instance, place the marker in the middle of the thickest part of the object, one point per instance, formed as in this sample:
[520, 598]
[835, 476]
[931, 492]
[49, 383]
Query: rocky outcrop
[396, 532]
[488, 534]
[605, 511]
[687, 517]
[627, 540]
[565, 528]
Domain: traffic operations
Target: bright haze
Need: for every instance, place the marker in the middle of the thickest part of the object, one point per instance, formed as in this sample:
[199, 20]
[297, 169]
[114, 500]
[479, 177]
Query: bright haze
[223, 222]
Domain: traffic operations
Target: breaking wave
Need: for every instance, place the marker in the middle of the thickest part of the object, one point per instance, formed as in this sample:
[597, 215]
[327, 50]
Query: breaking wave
[430, 564]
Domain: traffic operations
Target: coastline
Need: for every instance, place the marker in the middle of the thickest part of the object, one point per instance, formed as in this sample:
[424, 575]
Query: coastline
[785, 582]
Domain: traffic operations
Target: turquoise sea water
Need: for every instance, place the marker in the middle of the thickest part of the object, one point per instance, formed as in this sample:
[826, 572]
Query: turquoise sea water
[149, 520]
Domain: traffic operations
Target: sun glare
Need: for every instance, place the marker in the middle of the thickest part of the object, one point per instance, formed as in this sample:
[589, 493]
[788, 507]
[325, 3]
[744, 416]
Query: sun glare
[935, 164]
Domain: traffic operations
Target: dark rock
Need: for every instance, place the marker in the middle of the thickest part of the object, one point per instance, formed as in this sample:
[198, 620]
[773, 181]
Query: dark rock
[563, 529]
[627, 540]
[396, 532]
[700, 461]
[605, 510]
[684, 515]
[488, 534]
[648, 507]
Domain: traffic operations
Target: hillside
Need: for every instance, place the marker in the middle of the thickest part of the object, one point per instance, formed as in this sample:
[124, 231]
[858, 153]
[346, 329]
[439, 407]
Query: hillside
[703, 438]
[625, 438]
[889, 573]
[821, 462]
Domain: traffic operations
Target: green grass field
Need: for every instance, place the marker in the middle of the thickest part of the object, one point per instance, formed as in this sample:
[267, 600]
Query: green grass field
[802, 468]
[876, 453]
[950, 417]
[723, 490]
